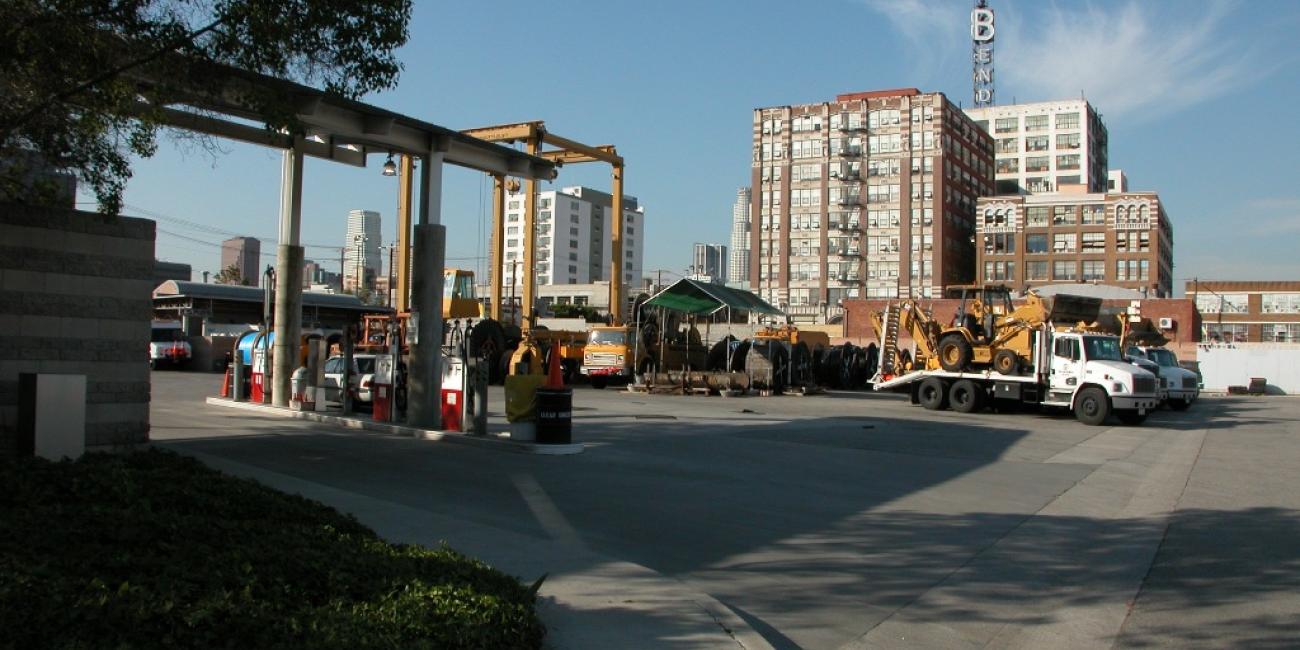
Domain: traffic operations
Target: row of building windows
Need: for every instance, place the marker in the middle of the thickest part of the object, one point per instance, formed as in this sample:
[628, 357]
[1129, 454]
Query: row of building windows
[1238, 303]
[1067, 270]
[1038, 143]
[1240, 332]
[1038, 164]
[1035, 123]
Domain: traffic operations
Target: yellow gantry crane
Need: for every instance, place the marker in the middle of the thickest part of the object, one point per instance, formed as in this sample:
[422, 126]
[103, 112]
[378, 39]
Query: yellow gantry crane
[534, 136]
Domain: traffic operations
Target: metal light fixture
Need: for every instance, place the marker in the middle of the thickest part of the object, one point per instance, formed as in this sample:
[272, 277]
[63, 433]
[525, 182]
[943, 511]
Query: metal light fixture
[390, 167]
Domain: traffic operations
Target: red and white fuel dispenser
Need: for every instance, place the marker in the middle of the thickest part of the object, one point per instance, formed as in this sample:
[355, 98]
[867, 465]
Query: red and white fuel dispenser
[381, 388]
[260, 393]
[452, 398]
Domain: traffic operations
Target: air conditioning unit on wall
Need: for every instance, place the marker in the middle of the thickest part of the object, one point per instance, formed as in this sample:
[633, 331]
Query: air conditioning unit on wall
[1166, 323]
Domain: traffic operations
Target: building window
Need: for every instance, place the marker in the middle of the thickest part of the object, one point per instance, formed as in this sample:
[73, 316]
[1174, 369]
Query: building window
[1008, 165]
[1094, 215]
[1038, 184]
[1094, 242]
[512, 230]
[1036, 244]
[1068, 161]
[512, 242]
[1035, 122]
[1067, 141]
[1227, 303]
[1226, 332]
[1036, 270]
[1064, 242]
[1038, 163]
[1063, 215]
[1067, 120]
[1003, 243]
[1280, 303]
[1094, 270]
[999, 271]
[1065, 270]
[1282, 332]
[1008, 145]
[1006, 124]
[1037, 143]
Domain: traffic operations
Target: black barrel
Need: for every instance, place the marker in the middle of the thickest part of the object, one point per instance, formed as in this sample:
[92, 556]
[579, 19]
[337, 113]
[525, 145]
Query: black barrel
[554, 416]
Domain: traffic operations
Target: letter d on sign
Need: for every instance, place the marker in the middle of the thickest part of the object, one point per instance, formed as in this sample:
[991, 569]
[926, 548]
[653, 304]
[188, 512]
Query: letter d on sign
[981, 24]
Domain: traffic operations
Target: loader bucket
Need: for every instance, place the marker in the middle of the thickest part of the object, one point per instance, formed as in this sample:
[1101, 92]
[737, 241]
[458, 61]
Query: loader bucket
[1064, 308]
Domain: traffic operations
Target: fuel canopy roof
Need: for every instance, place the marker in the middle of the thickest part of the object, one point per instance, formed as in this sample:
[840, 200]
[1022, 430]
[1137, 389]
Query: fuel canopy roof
[703, 298]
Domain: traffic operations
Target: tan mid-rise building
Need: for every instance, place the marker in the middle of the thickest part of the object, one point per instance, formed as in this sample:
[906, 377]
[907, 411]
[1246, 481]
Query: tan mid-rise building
[1120, 239]
[871, 195]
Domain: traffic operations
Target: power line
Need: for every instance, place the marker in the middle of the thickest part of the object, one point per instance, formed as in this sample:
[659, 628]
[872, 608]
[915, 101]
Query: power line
[211, 229]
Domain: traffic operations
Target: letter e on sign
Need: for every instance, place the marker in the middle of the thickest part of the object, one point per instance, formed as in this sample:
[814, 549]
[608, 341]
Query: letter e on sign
[981, 24]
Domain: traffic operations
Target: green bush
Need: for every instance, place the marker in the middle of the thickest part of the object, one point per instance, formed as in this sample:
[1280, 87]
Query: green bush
[153, 549]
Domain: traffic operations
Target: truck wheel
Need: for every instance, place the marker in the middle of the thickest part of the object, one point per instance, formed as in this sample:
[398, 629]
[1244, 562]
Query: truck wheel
[933, 394]
[1180, 404]
[954, 352]
[1131, 417]
[1007, 362]
[599, 381]
[1092, 406]
[965, 396]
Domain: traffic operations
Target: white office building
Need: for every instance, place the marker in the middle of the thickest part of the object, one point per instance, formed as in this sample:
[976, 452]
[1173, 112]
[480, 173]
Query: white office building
[573, 238]
[361, 259]
[1042, 146]
[738, 258]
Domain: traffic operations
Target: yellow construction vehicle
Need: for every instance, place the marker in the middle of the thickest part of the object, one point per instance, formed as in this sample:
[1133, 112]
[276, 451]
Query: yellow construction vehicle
[987, 330]
[649, 344]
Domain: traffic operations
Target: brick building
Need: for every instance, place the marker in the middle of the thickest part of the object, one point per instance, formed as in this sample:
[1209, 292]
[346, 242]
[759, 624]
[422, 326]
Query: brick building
[1235, 311]
[1122, 239]
[870, 195]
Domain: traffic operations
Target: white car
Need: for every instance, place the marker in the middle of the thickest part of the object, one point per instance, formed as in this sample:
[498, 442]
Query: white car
[363, 374]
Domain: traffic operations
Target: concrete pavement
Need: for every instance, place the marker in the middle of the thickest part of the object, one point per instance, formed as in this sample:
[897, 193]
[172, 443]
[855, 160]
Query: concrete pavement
[841, 520]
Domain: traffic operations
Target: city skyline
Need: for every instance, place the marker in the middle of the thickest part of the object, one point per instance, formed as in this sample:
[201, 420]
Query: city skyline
[1160, 75]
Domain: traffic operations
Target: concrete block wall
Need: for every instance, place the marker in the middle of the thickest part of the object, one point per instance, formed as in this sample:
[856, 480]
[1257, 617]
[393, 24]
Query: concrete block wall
[75, 298]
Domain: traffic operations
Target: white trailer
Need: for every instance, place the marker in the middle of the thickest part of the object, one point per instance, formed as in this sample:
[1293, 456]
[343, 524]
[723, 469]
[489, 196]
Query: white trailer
[1080, 371]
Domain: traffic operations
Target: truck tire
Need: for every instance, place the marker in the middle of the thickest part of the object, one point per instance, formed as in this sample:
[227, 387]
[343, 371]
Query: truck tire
[1007, 362]
[933, 394]
[1180, 404]
[1092, 406]
[1131, 417]
[965, 396]
[954, 352]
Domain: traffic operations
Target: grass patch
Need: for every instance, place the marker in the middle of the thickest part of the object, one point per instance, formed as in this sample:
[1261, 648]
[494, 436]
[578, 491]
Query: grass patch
[153, 549]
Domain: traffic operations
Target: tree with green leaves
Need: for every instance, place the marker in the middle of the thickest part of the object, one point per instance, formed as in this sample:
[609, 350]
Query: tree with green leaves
[71, 94]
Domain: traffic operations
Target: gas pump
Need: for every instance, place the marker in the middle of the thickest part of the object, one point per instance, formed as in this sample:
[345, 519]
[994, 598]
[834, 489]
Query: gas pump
[260, 394]
[381, 388]
[464, 385]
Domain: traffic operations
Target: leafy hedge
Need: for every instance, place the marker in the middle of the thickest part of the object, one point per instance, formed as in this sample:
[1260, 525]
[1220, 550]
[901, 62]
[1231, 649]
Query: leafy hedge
[154, 549]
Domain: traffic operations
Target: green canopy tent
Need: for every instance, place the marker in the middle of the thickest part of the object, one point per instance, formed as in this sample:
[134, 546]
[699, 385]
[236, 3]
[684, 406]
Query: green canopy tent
[695, 298]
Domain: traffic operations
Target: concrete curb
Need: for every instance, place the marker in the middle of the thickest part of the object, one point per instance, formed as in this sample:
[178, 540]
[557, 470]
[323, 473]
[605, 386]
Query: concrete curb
[485, 442]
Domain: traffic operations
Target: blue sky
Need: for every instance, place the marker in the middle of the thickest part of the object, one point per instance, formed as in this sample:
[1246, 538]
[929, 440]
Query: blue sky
[1200, 99]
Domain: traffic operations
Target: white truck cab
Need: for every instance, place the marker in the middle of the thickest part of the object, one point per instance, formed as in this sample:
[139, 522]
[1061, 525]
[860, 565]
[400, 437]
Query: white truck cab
[1182, 387]
[168, 345]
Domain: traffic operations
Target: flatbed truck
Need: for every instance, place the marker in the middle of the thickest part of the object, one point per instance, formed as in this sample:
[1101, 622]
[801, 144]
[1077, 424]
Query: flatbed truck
[1083, 372]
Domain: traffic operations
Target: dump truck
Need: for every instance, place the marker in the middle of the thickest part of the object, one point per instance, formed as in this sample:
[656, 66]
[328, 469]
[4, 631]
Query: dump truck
[1078, 370]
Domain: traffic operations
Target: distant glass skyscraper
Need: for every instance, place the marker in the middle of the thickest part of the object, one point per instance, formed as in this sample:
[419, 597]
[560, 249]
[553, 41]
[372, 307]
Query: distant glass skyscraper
[362, 248]
[738, 262]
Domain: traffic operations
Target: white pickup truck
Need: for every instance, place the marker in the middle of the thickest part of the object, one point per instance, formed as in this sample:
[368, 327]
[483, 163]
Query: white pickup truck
[1080, 371]
[1181, 384]
[168, 345]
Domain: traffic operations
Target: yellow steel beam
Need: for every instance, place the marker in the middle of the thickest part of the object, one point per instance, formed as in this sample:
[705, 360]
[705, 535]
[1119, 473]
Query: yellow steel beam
[566, 157]
[405, 182]
[506, 132]
[599, 153]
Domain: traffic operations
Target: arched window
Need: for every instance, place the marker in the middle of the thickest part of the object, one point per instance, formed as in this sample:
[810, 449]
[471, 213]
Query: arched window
[1144, 214]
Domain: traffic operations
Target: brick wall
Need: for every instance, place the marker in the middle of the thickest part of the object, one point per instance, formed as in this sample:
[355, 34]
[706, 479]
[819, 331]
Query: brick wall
[75, 299]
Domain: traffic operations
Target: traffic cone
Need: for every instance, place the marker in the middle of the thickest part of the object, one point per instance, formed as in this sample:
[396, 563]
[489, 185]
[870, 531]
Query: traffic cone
[225, 383]
[554, 378]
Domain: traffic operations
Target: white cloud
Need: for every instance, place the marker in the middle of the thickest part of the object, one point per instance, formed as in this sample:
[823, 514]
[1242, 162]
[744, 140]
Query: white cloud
[1125, 59]
[930, 30]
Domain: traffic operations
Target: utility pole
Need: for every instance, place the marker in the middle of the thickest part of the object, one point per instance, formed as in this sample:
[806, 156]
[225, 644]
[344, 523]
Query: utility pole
[392, 248]
[360, 241]
[343, 254]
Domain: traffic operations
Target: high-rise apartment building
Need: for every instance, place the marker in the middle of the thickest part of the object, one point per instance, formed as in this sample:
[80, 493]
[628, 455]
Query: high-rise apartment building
[361, 259]
[244, 253]
[870, 195]
[1046, 146]
[573, 243]
[709, 262]
[738, 260]
[1121, 239]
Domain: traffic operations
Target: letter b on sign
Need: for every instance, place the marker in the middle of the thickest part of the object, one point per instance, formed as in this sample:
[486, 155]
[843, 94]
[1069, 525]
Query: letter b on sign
[981, 24]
